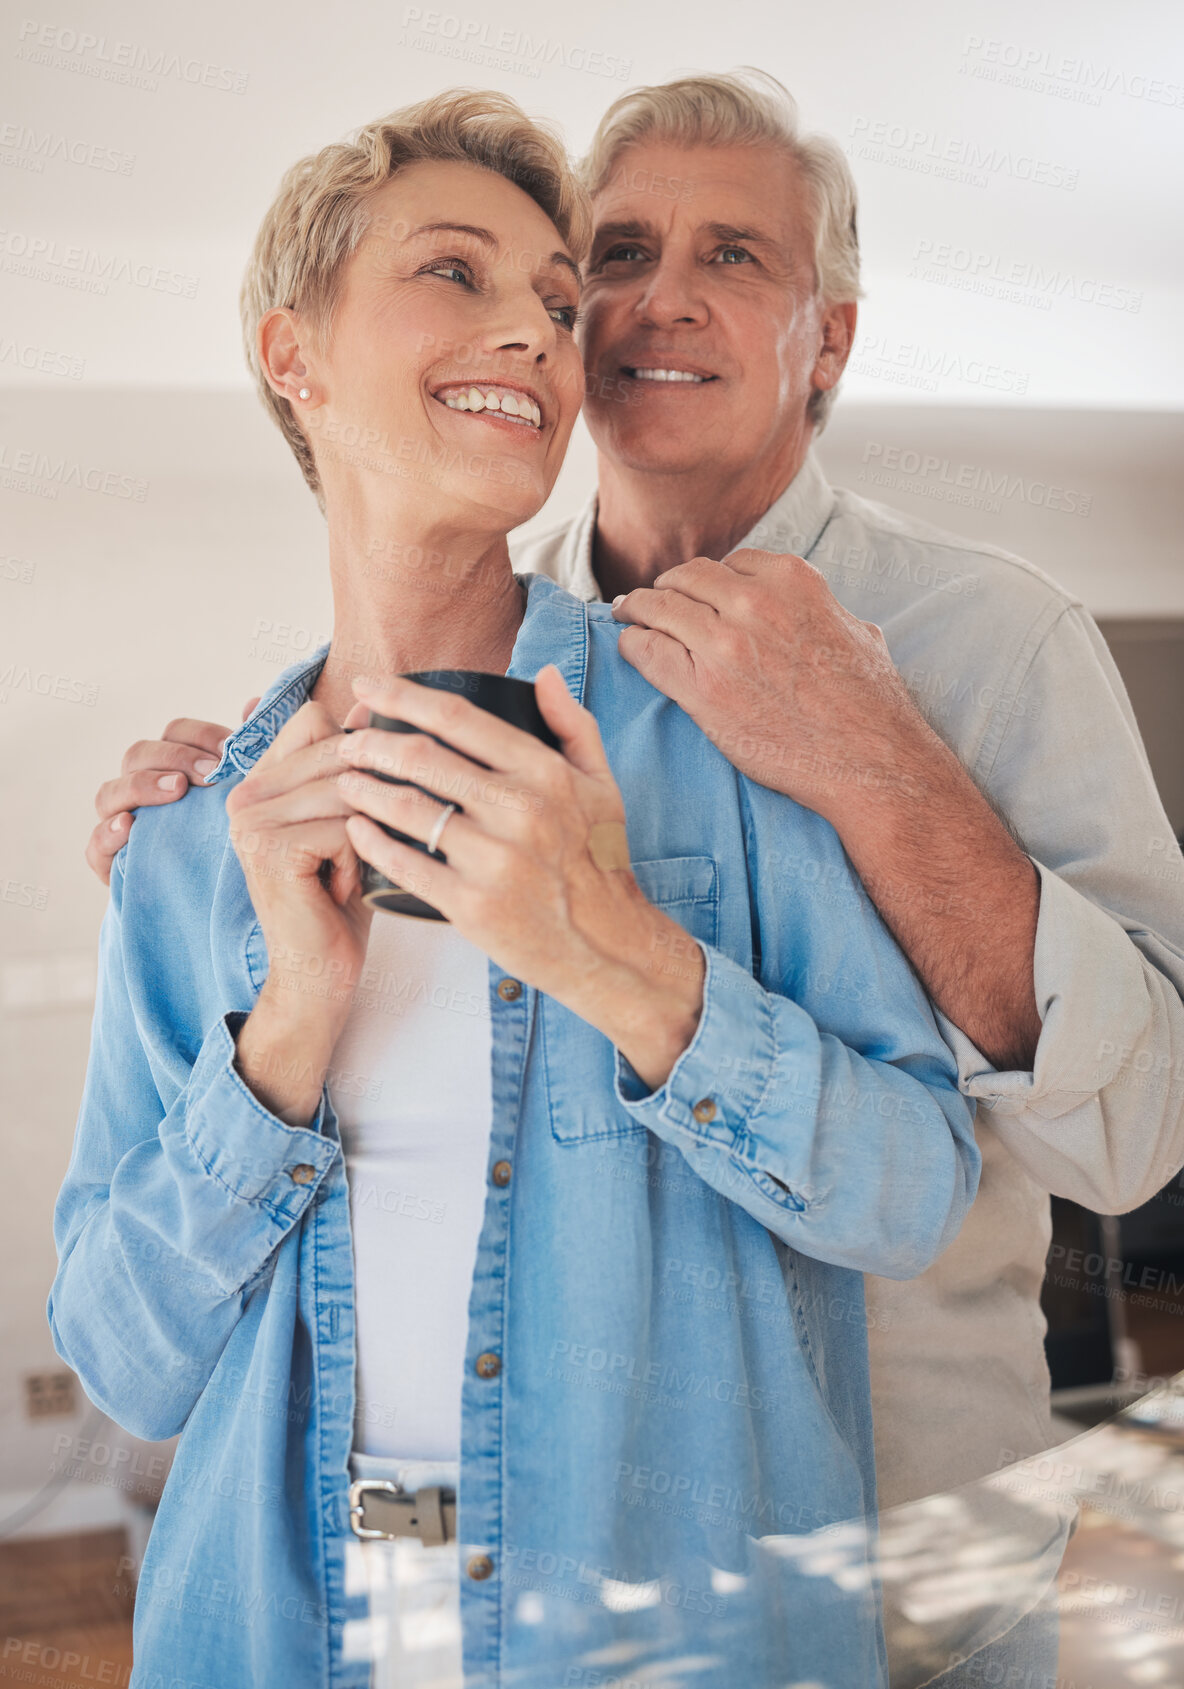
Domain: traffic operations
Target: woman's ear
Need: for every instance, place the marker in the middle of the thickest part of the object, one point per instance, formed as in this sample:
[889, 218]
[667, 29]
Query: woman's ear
[280, 356]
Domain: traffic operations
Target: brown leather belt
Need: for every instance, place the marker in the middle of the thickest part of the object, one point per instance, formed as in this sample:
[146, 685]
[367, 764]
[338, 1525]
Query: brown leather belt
[381, 1509]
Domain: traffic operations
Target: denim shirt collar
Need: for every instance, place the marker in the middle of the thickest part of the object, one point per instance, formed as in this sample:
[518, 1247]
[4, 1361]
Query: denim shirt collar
[538, 639]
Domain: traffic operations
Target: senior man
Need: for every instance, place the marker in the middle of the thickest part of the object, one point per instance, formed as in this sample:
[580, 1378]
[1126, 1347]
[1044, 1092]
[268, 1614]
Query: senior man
[946, 706]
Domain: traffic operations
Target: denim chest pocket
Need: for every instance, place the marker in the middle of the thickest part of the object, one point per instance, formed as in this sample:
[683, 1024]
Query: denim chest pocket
[580, 1062]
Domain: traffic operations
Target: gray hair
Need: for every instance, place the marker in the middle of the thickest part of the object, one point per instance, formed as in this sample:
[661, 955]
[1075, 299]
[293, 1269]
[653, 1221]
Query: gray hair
[746, 107]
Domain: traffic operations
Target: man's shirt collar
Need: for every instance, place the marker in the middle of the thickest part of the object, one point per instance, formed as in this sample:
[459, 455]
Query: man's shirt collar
[792, 524]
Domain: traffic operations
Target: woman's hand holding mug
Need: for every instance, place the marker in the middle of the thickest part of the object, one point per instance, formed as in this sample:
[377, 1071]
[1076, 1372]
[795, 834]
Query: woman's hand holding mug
[528, 877]
[288, 828]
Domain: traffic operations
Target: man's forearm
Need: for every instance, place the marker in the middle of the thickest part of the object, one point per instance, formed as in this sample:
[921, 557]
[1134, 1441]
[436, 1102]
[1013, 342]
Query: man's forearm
[957, 892]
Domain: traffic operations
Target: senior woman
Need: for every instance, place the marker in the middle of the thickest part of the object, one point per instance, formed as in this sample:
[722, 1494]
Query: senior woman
[544, 1224]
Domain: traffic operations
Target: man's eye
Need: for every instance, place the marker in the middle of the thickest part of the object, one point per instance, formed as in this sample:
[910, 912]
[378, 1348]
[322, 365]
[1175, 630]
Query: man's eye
[626, 252]
[734, 255]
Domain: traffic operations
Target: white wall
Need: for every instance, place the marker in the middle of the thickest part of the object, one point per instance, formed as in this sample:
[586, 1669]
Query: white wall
[1054, 197]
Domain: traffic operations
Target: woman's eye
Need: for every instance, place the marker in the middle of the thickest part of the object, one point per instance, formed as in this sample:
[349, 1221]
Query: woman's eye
[565, 314]
[449, 267]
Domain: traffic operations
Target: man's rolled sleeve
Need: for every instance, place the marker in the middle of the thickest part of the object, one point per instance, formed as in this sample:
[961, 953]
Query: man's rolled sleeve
[1090, 996]
[1100, 1118]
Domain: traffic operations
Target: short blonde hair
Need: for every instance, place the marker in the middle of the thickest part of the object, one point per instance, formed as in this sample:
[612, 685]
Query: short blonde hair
[320, 214]
[747, 107]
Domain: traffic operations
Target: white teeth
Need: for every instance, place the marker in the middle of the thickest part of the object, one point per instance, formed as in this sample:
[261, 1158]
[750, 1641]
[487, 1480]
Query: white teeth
[666, 375]
[516, 405]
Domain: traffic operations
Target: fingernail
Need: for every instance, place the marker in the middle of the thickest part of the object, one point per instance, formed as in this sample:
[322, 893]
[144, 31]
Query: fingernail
[169, 782]
[117, 822]
[618, 599]
[205, 765]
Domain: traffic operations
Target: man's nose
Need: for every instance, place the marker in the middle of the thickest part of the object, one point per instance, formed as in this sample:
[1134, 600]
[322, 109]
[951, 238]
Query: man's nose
[672, 295]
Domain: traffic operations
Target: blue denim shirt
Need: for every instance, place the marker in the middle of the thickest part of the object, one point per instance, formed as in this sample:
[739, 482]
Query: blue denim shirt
[672, 1466]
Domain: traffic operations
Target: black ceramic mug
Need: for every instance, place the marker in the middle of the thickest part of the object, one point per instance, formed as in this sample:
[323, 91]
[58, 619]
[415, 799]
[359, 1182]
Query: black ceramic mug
[510, 700]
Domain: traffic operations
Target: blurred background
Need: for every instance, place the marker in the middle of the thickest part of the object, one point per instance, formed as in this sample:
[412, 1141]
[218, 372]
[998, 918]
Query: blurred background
[1018, 377]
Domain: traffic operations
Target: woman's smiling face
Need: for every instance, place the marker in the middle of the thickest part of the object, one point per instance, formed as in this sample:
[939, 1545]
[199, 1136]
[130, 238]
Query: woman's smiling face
[451, 368]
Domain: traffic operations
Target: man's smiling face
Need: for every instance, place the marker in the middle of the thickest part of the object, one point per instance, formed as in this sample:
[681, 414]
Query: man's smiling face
[700, 326]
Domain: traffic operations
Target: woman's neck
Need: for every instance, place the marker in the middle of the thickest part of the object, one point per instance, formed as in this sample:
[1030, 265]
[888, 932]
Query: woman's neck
[417, 603]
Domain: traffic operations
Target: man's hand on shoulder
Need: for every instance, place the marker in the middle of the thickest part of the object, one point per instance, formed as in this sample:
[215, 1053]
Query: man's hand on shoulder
[796, 692]
[154, 771]
[803, 697]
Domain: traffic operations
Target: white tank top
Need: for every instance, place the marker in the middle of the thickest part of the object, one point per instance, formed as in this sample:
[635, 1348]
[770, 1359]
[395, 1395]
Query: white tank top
[410, 1082]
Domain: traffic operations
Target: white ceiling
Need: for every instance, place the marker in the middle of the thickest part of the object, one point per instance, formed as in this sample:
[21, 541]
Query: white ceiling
[1106, 112]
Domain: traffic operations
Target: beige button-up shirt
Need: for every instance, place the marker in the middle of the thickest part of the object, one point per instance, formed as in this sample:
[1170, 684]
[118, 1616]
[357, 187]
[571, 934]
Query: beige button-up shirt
[1012, 672]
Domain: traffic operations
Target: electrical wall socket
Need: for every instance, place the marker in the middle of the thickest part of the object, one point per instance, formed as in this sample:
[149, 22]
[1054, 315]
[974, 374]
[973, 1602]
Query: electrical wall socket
[50, 1395]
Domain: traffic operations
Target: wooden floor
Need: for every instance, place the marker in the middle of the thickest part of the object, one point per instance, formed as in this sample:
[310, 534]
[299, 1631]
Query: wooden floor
[1122, 1610]
[66, 1611]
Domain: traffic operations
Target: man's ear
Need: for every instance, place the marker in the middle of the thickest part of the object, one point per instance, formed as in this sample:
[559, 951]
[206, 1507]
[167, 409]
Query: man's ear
[280, 356]
[837, 326]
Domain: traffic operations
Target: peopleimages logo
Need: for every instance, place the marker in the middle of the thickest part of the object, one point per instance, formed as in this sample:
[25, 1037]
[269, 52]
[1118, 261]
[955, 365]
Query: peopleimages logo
[82, 267]
[932, 476]
[569, 1360]
[909, 364]
[30, 149]
[1005, 278]
[28, 470]
[40, 360]
[126, 62]
[1060, 74]
[973, 163]
[477, 39]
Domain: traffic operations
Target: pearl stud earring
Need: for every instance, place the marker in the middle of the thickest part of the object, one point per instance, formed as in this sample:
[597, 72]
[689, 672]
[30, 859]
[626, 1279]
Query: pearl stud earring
[304, 393]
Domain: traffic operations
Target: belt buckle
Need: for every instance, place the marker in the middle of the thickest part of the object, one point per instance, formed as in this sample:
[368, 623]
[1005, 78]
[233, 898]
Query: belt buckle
[424, 1511]
[357, 1505]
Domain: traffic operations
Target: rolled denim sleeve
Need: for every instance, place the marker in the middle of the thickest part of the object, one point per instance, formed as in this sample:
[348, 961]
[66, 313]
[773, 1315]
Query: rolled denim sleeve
[862, 1162]
[246, 1151]
[171, 1206]
[1099, 1118]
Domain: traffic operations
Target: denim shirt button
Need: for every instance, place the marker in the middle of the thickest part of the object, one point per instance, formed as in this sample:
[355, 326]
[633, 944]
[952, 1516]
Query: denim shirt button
[488, 1366]
[501, 1172]
[480, 1566]
[302, 1174]
[704, 1110]
[509, 990]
